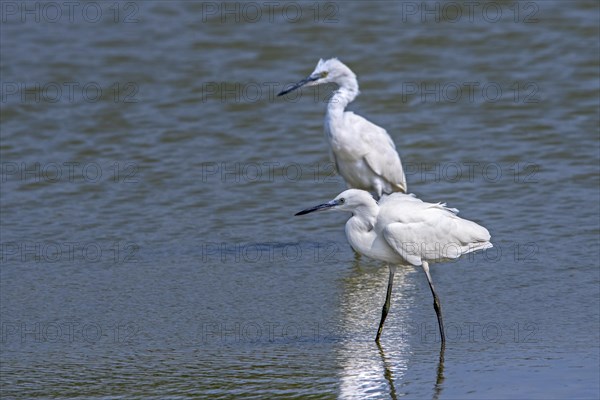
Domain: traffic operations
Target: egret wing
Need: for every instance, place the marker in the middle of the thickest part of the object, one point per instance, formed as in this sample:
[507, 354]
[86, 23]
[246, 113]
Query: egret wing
[401, 238]
[433, 232]
[379, 151]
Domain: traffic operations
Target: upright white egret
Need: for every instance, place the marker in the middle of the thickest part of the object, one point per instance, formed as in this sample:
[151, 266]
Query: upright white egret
[403, 230]
[363, 153]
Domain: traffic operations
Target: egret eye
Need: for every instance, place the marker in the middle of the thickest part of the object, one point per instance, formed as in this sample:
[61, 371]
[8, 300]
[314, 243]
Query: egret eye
[324, 74]
[342, 200]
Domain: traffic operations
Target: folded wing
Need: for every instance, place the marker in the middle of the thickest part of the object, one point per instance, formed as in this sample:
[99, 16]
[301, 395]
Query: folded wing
[431, 232]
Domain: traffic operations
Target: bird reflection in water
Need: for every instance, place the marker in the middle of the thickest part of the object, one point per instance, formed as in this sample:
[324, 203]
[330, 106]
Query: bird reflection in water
[368, 369]
[388, 374]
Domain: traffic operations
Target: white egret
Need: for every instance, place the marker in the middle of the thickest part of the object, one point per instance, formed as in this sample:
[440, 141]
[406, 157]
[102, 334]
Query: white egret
[363, 153]
[403, 230]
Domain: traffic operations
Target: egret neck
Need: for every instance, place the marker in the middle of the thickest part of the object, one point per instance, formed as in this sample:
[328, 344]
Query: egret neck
[346, 93]
[359, 228]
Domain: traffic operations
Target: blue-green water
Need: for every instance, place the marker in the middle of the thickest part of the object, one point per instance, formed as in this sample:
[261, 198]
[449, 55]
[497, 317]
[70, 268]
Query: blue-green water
[150, 177]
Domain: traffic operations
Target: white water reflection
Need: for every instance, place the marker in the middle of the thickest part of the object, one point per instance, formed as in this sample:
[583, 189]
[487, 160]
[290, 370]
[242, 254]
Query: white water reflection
[370, 370]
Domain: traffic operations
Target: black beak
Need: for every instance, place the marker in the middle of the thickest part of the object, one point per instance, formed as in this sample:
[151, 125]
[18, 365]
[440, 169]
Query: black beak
[297, 85]
[320, 207]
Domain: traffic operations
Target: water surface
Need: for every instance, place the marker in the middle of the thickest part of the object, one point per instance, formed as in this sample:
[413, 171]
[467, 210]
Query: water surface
[150, 177]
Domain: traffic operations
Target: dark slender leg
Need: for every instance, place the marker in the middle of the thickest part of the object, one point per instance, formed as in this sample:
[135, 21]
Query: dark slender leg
[356, 255]
[436, 303]
[440, 375]
[387, 373]
[386, 305]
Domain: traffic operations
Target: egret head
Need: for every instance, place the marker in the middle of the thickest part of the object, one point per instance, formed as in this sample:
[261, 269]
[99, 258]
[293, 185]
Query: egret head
[332, 70]
[349, 200]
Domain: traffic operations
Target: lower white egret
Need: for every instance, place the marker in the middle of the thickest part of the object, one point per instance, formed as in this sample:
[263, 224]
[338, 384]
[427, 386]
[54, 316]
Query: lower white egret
[363, 153]
[403, 230]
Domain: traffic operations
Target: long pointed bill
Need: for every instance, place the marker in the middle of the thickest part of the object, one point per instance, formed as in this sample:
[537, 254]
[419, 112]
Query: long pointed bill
[320, 207]
[297, 85]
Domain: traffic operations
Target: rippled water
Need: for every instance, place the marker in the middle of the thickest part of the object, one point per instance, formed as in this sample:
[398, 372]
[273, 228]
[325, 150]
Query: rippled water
[150, 177]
